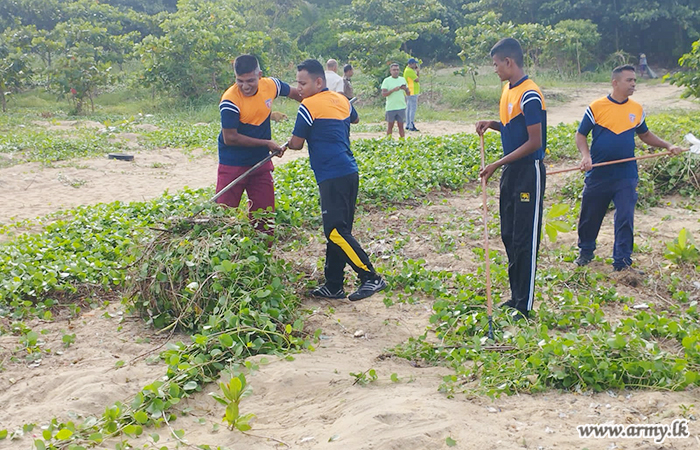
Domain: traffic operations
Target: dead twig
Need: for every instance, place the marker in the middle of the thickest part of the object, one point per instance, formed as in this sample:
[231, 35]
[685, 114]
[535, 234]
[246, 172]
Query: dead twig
[279, 441]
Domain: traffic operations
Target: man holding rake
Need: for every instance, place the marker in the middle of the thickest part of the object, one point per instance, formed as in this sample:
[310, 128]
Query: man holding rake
[523, 125]
[246, 138]
[323, 121]
[614, 120]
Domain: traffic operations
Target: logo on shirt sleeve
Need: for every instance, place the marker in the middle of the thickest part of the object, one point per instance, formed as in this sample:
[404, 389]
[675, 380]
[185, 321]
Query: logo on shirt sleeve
[524, 197]
[632, 117]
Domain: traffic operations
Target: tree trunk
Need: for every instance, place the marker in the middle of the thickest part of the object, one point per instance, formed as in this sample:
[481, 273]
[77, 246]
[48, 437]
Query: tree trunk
[578, 60]
[4, 102]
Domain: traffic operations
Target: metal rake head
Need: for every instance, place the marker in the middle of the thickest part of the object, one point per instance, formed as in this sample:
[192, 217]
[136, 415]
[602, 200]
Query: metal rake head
[694, 143]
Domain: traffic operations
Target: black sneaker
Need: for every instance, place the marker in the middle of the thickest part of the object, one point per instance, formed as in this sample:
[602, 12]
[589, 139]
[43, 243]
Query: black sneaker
[583, 260]
[368, 288]
[516, 314]
[414, 128]
[507, 304]
[324, 292]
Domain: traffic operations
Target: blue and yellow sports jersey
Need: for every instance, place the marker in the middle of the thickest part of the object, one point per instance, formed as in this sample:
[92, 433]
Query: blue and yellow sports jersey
[324, 121]
[250, 116]
[522, 105]
[614, 125]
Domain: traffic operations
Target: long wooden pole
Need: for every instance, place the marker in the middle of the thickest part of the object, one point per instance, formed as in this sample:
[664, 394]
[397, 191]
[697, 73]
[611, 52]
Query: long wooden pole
[489, 301]
[617, 161]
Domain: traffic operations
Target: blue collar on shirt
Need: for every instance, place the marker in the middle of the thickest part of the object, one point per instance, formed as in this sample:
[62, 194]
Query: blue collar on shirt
[615, 101]
[519, 82]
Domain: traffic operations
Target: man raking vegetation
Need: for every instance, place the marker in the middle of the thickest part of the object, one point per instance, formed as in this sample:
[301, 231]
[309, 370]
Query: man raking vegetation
[324, 122]
[523, 125]
[614, 120]
[246, 138]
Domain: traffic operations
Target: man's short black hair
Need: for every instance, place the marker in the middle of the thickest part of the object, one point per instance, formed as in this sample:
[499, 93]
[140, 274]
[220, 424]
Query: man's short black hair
[508, 48]
[246, 64]
[619, 69]
[347, 68]
[313, 67]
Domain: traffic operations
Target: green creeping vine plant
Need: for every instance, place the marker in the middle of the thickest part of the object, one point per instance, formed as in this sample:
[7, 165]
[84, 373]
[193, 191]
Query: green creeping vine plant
[553, 223]
[234, 391]
[572, 345]
[365, 378]
[682, 250]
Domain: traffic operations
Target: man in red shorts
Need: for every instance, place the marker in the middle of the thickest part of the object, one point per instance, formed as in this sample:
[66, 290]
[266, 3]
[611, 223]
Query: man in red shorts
[246, 138]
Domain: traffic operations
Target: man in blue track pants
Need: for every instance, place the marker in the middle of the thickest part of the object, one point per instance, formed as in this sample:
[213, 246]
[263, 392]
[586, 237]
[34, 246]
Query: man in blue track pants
[614, 121]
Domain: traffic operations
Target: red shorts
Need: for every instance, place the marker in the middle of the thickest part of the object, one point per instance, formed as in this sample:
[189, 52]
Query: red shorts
[258, 185]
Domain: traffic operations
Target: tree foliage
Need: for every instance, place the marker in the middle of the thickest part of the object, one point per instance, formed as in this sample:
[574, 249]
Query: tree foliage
[379, 32]
[567, 45]
[661, 29]
[15, 70]
[195, 54]
[689, 77]
[187, 46]
[78, 75]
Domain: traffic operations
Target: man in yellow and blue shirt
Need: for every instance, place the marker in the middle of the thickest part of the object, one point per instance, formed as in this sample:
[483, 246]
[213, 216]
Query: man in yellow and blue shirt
[614, 121]
[246, 137]
[411, 74]
[323, 121]
[523, 128]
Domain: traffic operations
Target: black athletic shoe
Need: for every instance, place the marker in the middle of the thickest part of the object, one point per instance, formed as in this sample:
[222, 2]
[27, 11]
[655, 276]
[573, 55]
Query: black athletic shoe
[324, 292]
[507, 304]
[516, 314]
[583, 260]
[367, 289]
[414, 129]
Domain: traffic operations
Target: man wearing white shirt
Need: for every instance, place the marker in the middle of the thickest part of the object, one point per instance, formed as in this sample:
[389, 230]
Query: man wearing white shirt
[334, 82]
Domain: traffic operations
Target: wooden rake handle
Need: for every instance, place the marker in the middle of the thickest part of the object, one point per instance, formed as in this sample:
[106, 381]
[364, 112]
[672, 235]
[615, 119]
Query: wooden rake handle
[617, 161]
[247, 172]
[489, 302]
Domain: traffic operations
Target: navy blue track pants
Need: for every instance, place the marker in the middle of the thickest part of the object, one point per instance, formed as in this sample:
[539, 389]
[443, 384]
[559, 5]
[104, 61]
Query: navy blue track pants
[597, 195]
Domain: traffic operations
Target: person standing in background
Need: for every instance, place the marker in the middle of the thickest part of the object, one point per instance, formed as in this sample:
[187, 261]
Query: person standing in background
[348, 72]
[334, 82]
[642, 65]
[411, 73]
[395, 90]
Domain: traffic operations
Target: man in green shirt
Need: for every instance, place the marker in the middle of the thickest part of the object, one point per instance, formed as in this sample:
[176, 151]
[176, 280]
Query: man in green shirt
[410, 73]
[395, 90]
